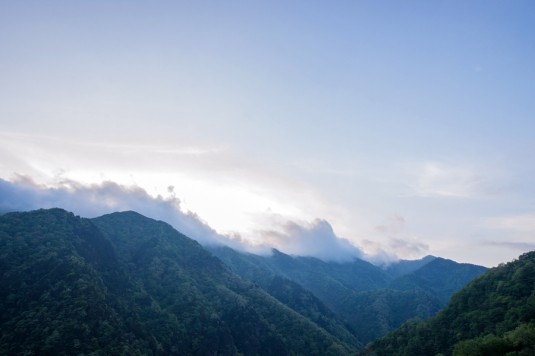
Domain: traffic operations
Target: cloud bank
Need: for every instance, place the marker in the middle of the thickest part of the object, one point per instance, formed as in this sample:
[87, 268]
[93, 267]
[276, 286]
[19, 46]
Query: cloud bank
[316, 239]
[94, 200]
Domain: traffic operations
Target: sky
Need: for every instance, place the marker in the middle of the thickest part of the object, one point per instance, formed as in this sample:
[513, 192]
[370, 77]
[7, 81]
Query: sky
[370, 129]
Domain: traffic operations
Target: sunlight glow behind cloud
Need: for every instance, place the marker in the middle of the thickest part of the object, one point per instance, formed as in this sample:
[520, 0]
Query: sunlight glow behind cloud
[316, 239]
[348, 114]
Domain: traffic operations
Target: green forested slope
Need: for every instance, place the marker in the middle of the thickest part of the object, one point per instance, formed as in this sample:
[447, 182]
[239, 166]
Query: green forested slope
[440, 278]
[59, 276]
[126, 284]
[365, 297]
[403, 267]
[493, 315]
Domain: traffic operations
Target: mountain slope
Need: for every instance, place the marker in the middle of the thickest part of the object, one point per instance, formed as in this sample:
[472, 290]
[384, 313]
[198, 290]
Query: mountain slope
[403, 267]
[201, 267]
[439, 277]
[126, 284]
[331, 282]
[260, 271]
[494, 314]
[364, 296]
[57, 275]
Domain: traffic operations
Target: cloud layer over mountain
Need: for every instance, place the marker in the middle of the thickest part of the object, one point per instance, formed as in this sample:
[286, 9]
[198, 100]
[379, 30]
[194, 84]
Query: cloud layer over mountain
[316, 239]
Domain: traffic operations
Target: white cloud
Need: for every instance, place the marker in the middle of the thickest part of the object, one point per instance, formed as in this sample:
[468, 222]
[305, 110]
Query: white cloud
[97, 199]
[224, 187]
[315, 239]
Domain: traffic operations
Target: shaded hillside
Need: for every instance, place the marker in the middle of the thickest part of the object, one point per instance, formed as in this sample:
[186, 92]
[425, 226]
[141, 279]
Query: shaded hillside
[403, 267]
[493, 315]
[439, 277]
[364, 296]
[331, 282]
[126, 284]
[372, 314]
[307, 304]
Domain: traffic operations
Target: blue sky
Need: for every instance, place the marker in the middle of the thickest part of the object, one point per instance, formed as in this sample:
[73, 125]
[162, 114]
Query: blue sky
[407, 127]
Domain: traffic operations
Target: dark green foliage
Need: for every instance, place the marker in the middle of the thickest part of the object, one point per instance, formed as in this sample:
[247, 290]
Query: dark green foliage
[290, 293]
[308, 305]
[53, 299]
[126, 284]
[372, 314]
[494, 314]
[363, 296]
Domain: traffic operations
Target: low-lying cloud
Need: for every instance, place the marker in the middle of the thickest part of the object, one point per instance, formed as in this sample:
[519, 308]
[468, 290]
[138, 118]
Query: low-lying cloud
[396, 240]
[316, 239]
[94, 200]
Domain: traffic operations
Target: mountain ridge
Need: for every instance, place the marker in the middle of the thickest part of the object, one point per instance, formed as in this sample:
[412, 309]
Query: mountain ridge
[493, 315]
[350, 288]
[124, 283]
[138, 281]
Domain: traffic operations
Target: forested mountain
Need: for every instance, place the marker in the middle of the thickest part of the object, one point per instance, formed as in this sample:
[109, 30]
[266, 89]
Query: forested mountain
[126, 284]
[371, 300]
[493, 315]
[403, 267]
[439, 277]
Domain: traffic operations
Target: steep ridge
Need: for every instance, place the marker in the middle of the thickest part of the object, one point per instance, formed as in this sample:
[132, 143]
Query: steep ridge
[330, 282]
[255, 268]
[403, 267]
[365, 297]
[493, 315]
[60, 284]
[439, 277]
[126, 284]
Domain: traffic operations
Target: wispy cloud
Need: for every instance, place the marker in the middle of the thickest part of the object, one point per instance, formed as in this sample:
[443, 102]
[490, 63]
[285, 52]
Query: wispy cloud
[45, 154]
[514, 232]
[520, 223]
[395, 241]
[515, 245]
[448, 181]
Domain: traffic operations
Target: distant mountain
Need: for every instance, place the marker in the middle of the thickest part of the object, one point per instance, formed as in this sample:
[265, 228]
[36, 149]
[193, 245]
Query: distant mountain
[493, 315]
[403, 267]
[439, 277]
[126, 284]
[366, 297]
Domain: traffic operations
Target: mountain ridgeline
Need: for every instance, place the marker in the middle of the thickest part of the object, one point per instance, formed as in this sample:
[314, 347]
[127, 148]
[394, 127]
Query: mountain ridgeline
[493, 315]
[126, 284]
[369, 299]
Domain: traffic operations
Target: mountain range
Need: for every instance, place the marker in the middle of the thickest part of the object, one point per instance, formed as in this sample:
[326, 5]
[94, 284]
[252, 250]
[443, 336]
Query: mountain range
[126, 284]
[493, 315]
[371, 300]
